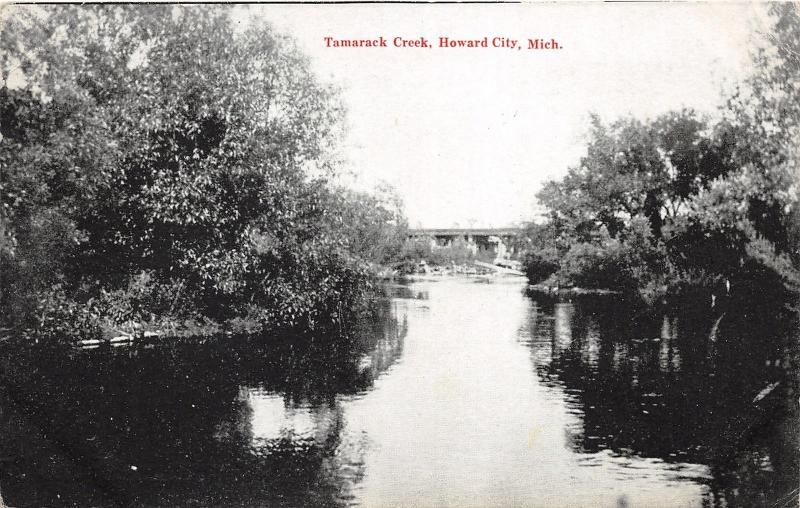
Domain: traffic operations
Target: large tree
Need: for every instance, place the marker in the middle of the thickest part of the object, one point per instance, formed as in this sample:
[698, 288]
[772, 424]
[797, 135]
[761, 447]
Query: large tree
[173, 142]
[636, 168]
[722, 197]
[765, 113]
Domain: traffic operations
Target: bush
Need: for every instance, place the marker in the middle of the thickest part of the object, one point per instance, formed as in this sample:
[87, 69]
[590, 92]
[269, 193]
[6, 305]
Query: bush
[633, 263]
[594, 266]
[414, 250]
[458, 252]
[541, 264]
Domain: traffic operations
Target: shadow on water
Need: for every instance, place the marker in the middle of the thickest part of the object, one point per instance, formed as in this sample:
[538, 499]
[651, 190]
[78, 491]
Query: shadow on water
[230, 422]
[405, 292]
[689, 386]
[693, 397]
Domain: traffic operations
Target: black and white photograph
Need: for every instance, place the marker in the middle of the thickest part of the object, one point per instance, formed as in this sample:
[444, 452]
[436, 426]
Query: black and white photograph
[412, 254]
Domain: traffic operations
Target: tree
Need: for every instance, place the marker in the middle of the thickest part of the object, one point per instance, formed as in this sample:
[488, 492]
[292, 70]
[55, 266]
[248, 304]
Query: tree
[372, 225]
[167, 141]
[634, 168]
[765, 114]
[722, 198]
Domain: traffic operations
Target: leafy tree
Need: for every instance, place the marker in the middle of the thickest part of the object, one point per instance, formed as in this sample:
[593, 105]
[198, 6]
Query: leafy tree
[372, 225]
[165, 144]
[633, 168]
[765, 114]
[722, 199]
[746, 221]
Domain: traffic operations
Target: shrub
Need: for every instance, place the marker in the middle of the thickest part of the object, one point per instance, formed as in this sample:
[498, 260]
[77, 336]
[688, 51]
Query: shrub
[593, 266]
[540, 264]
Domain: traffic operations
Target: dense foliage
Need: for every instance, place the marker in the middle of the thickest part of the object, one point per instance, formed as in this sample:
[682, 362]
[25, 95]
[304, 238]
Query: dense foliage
[680, 202]
[458, 252]
[164, 165]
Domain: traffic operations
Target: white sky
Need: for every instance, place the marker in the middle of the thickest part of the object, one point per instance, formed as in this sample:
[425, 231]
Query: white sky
[468, 136]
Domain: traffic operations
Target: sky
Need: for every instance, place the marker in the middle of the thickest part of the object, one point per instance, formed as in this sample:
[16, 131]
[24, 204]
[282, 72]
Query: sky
[468, 136]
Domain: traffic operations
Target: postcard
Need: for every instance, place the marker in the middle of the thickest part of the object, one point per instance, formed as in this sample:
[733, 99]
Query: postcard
[399, 254]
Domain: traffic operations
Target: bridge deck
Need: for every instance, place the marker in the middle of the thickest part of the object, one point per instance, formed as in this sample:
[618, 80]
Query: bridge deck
[464, 232]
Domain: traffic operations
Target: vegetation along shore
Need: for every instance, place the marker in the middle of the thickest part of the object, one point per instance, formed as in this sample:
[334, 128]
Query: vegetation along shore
[167, 170]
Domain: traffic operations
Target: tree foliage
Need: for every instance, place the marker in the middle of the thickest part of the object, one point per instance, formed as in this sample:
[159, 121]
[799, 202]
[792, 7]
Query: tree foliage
[720, 198]
[635, 168]
[170, 143]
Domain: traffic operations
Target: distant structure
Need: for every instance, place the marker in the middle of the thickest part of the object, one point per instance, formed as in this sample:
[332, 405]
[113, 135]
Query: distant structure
[497, 240]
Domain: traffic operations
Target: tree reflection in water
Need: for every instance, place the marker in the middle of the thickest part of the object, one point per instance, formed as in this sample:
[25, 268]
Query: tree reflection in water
[236, 422]
[650, 405]
[666, 388]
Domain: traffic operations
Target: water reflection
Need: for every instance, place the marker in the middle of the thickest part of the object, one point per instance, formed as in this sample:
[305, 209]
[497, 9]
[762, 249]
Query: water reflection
[676, 390]
[448, 394]
[406, 292]
[247, 422]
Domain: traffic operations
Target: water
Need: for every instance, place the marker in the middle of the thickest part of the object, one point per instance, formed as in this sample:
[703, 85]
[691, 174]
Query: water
[456, 393]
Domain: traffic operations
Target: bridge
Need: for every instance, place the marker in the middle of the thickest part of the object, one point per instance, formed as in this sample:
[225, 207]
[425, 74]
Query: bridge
[498, 240]
[463, 232]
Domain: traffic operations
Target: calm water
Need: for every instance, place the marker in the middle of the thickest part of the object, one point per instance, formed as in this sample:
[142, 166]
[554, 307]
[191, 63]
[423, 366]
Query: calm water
[455, 393]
